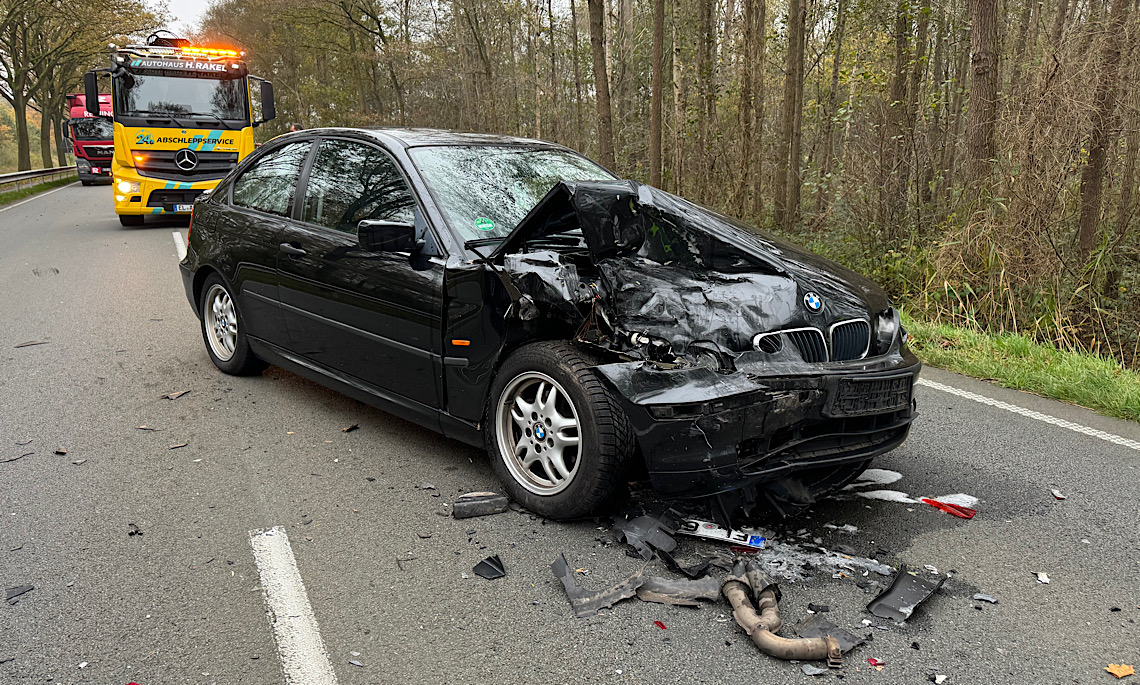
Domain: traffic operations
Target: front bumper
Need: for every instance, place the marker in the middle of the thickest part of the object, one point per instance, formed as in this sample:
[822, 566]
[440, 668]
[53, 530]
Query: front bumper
[93, 170]
[703, 433]
[155, 195]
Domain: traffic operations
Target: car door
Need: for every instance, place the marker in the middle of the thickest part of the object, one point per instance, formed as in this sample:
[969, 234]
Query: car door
[372, 315]
[260, 200]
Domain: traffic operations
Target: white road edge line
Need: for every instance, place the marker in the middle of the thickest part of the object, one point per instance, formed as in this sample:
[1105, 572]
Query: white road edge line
[37, 196]
[1029, 413]
[179, 245]
[299, 645]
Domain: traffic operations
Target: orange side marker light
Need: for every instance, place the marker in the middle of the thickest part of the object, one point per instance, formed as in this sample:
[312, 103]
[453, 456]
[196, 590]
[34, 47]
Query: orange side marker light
[461, 343]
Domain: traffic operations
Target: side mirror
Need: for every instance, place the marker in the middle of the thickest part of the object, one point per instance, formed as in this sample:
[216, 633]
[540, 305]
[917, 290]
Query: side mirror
[91, 93]
[386, 236]
[268, 109]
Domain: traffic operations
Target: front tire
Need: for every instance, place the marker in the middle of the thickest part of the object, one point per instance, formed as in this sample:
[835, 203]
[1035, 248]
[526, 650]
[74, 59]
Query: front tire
[223, 330]
[131, 219]
[556, 437]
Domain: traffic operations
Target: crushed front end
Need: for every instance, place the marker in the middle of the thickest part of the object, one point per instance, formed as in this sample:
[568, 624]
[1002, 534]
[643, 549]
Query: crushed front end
[755, 375]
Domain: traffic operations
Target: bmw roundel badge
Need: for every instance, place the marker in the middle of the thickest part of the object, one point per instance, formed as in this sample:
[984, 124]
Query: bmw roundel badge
[813, 302]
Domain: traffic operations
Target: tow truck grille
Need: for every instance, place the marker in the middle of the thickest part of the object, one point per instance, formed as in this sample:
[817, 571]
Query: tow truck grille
[160, 164]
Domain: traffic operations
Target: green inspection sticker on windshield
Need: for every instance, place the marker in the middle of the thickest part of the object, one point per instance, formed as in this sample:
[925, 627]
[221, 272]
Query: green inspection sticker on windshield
[484, 224]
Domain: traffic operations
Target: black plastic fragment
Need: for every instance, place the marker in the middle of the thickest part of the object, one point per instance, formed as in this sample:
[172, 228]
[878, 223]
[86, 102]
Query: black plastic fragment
[14, 592]
[818, 626]
[819, 608]
[133, 530]
[648, 534]
[586, 603]
[479, 504]
[490, 568]
[903, 596]
[695, 571]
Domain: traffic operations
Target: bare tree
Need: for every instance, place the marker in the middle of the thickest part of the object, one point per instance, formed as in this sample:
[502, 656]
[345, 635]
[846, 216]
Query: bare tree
[601, 84]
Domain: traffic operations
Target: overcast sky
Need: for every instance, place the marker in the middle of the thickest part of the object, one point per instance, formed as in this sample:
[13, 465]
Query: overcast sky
[186, 13]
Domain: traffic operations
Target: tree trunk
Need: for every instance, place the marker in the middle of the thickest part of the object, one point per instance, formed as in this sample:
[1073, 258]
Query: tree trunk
[828, 167]
[60, 142]
[706, 84]
[23, 143]
[895, 172]
[553, 72]
[760, 97]
[535, 38]
[579, 141]
[1059, 22]
[787, 160]
[747, 71]
[601, 84]
[983, 93]
[679, 119]
[1103, 130]
[656, 93]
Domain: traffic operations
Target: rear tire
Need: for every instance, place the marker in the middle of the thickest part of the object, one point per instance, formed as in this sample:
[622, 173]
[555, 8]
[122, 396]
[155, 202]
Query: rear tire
[556, 437]
[131, 219]
[223, 330]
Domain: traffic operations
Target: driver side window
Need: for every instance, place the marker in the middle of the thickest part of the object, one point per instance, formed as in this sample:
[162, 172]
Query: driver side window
[350, 182]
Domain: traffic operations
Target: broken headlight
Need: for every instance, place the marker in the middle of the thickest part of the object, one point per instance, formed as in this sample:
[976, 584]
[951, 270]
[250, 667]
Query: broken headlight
[887, 326]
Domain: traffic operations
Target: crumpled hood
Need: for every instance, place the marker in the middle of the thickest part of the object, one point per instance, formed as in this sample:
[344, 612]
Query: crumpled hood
[678, 272]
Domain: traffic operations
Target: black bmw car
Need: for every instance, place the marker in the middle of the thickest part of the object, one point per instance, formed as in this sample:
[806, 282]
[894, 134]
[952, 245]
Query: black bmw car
[584, 329]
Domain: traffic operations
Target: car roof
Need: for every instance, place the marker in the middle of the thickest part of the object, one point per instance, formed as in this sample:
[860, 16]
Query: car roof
[416, 137]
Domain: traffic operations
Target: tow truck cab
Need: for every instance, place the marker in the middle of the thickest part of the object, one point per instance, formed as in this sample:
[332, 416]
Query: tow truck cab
[183, 118]
[91, 136]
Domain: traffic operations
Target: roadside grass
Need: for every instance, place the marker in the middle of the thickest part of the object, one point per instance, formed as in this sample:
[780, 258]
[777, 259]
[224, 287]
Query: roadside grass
[1015, 361]
[20, 194]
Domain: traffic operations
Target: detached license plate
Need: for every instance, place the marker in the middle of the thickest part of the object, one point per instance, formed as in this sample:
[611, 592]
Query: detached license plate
[183, 208]
[861, 396]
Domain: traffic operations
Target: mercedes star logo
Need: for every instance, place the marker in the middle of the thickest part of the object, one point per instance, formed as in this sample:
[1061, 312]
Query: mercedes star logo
[185, 160]
[813, 302]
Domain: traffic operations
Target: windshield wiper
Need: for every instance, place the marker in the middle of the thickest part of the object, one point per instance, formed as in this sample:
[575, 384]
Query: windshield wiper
[480, 242]
[212, 116]
[161, 114]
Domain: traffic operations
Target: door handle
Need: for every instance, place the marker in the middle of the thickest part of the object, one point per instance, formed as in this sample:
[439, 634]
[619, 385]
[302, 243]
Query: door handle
[290, 249]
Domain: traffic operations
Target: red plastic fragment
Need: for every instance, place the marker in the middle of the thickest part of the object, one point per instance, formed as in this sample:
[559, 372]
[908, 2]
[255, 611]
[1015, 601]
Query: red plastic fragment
[875, 662]
[741, 549]
[659, 624]
[955, 509]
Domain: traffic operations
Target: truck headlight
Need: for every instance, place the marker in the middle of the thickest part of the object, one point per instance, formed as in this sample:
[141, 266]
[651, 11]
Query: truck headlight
[83, 164]
[126, 187]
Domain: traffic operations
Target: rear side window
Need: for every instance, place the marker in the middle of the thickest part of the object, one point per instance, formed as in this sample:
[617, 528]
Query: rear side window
[350, 182]
[269, 185]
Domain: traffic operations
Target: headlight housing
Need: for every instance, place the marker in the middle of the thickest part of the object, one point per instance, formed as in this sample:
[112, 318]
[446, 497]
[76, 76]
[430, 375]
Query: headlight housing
[887, 326]
[126, 187]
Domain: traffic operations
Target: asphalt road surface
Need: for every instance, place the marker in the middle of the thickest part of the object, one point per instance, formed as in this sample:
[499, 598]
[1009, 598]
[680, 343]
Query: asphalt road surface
[184, 601]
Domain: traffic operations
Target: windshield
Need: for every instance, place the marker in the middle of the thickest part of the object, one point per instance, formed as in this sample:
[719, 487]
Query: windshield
[95, 128]
[142, 94]
[485, 191]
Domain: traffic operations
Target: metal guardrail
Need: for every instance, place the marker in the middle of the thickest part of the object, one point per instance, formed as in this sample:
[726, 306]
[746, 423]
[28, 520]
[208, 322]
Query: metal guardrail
[33, 177]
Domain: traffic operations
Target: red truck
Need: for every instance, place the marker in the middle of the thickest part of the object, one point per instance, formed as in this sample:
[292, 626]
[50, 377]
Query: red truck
[92, 138]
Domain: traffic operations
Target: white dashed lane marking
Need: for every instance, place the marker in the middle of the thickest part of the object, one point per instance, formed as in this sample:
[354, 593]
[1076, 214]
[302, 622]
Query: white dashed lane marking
[1036, 415]
[299, 644]
[179, 245]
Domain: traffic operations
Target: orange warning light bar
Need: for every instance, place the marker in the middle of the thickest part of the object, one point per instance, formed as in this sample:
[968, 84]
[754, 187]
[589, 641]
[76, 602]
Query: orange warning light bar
[211, 52]
[461, 343]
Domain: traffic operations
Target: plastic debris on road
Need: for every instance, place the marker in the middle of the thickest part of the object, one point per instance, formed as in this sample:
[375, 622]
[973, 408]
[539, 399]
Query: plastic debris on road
[680, 592]
[985, 598]
[586, 603]
[1057, 494]
[845, 528]
[818, 626]
[1042, 577]
[61, 451]
[174, 395]
[809, 669]
[906, 592]
[490, 568]
[133, 530]
[1120, 670]
[648, 534]
[31, 343]
[659, 624]
[938, 678]
[353, 427]
[877, 663]
[951, 508]
[479, 504]
[12, 594]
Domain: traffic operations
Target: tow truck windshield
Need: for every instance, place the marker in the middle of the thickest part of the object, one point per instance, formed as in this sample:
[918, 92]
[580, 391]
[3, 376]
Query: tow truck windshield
[150, 94]
[94, 128]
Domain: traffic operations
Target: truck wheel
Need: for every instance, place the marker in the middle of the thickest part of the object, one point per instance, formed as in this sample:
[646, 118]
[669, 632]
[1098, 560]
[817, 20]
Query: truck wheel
[223, 331]
[131, 219]
[556, 437]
